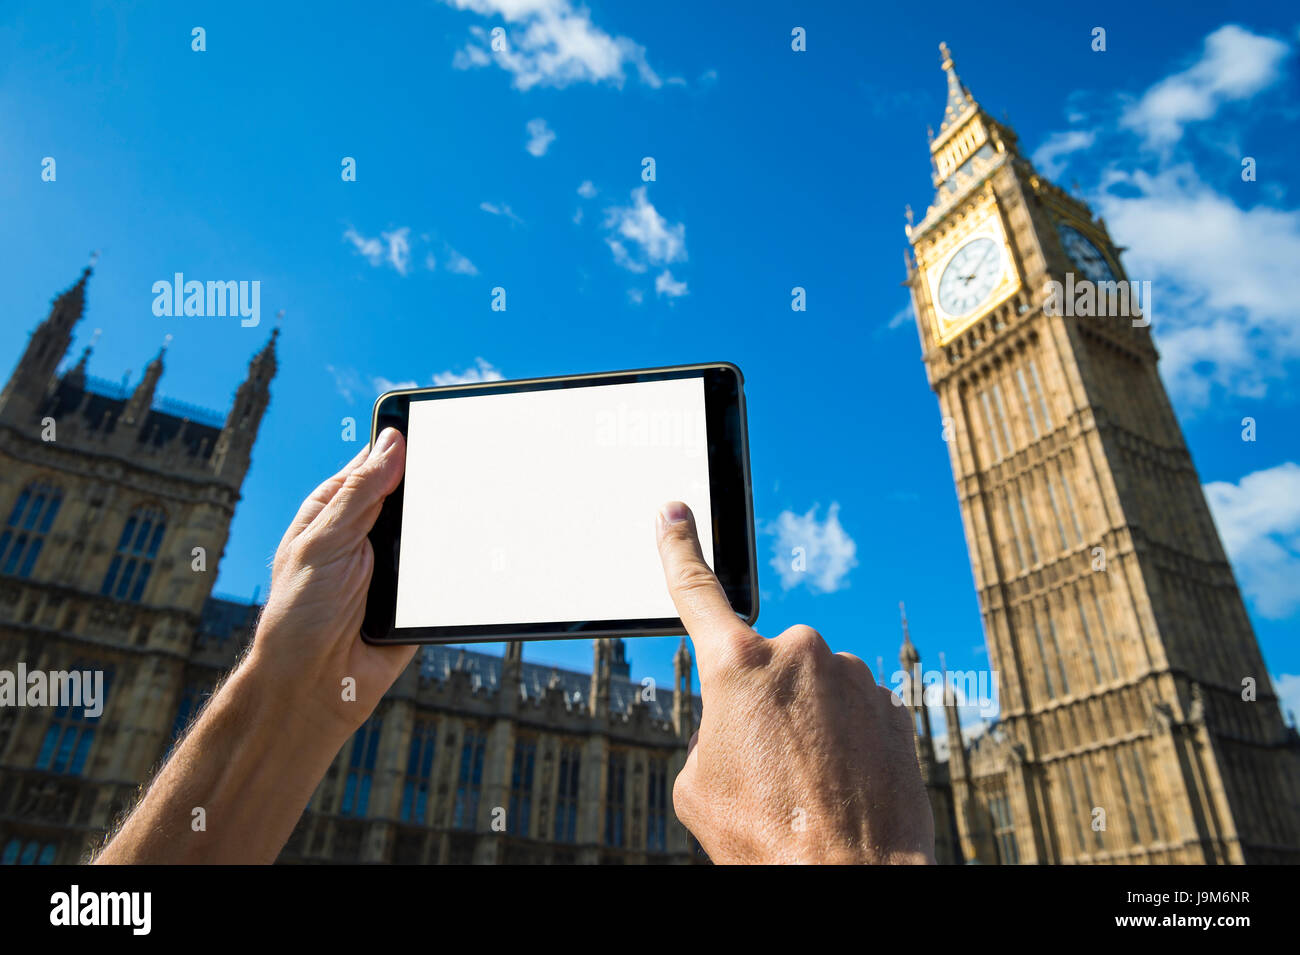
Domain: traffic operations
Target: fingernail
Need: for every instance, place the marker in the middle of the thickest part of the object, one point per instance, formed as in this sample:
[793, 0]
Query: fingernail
[674, 512]
[387, 438]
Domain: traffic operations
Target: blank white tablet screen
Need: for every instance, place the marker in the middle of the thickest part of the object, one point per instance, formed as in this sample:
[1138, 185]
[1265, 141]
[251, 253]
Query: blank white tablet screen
[539, 506]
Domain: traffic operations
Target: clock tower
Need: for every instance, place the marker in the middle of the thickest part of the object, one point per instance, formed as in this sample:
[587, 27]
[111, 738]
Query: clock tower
[1138, 721]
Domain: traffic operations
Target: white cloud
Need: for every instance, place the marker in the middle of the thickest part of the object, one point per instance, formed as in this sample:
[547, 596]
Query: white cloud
[1222, 274]
[372, 249]
[399, 249]
[901, 317]
[459, 264]
[482, 371]
[1287, 687]
[551, 43]
[806, 551]
[587, 189]
[635, 296]
[1224, 279]
[492, 208]
[1235, 65]
[383, 385]
[657, 241]
[623, 257]
[346, 381]
[391, 247]
[577, 216]
[1047, 157]
[1259, 522]
[540, 137]
[665, 284]
[394, 249]
[349, 383]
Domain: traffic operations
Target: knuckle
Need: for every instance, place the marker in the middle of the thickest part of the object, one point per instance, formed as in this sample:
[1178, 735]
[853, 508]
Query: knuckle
[741, 651]
[891, 701]
[856, 666]
[803, 644]
[309, 547]
[684, 792]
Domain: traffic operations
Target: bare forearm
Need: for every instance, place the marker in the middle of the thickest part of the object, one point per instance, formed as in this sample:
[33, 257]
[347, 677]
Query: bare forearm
[250, 767]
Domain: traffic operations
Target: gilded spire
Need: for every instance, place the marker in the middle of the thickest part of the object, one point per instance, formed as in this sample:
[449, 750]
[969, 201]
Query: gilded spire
[959, 98]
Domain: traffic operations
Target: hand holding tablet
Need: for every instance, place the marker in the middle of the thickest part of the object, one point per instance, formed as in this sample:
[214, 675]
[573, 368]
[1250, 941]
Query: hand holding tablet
[526, 510]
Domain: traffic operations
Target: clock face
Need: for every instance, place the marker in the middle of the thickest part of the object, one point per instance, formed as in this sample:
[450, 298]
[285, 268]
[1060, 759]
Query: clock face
[1085, 255]
[971, 276]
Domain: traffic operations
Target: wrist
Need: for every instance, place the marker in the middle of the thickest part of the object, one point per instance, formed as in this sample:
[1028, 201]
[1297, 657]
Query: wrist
[278, 708]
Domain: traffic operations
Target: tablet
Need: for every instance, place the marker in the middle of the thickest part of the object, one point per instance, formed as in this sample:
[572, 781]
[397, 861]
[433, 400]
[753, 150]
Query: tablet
[527, 509]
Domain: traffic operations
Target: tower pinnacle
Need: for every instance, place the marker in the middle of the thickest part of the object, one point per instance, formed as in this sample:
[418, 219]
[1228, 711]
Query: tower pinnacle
[959, 98]
[34, 374]
[908, 655]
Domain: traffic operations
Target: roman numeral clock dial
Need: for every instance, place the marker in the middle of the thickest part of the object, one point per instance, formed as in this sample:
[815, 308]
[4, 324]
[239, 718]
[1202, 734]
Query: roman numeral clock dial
[1085, 254]
[970, 277]
[969, 273]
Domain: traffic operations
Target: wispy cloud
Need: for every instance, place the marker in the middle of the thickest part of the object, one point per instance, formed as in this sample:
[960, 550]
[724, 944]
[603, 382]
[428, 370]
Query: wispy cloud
[1287, 687]
[500, 209]
[640, 237]
[1222, 273]
[817, 554]
[393, 248]
[587, 189]
[665, 284]
[540, 137]
[1259, 521]
[1225, 277]
[550, 43]
[901, 318]
[346, 382]
[351, 385]
[1234, 65]
[459, 264]
[383, 385]
[481, 371]
[1048, 156]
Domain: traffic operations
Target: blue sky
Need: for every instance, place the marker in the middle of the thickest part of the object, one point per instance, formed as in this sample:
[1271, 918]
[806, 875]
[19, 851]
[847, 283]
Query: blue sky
[773, 169]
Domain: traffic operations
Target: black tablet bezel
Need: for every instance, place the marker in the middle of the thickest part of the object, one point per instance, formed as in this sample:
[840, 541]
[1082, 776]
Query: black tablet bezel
[730, 493]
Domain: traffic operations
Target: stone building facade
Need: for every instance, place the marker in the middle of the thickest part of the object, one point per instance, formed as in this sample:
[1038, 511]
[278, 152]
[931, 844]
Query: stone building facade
[474, 758]
[1138, 721]
[116, 509]
[117, 506]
